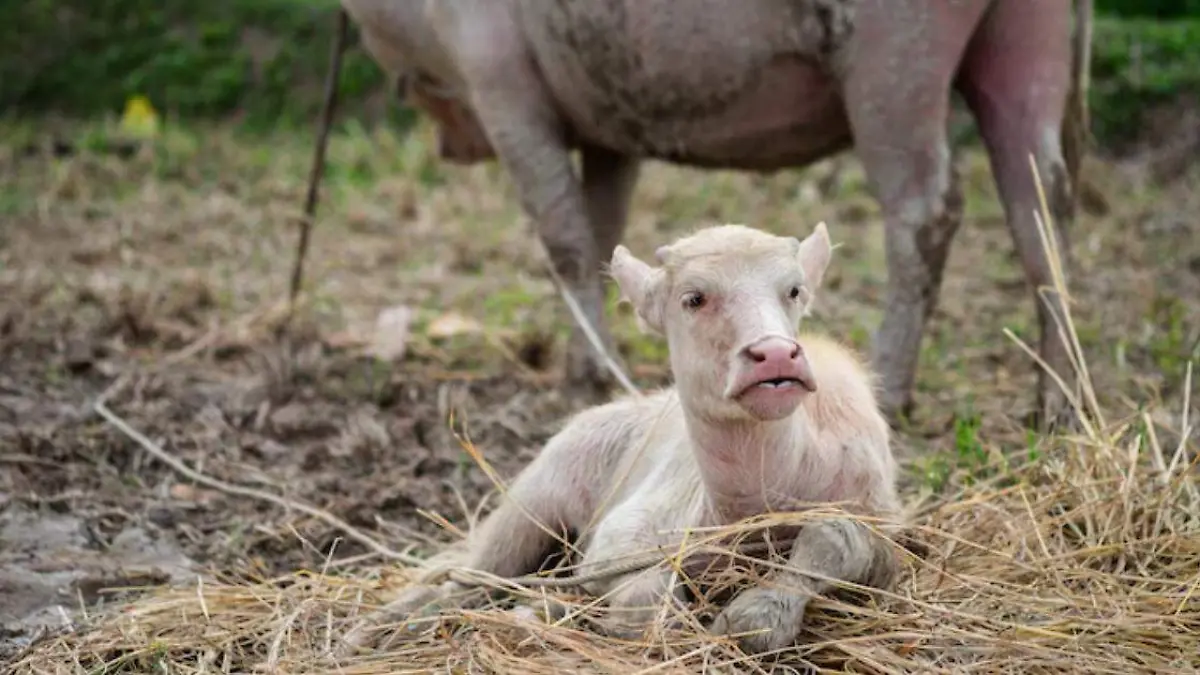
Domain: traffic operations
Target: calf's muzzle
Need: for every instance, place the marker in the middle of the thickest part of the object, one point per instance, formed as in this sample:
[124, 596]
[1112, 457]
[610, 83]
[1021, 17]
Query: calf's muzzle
[774, 361]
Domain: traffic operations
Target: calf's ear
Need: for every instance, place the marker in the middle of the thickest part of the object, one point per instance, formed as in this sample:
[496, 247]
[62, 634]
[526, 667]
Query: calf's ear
[814, 253]
[641, 286]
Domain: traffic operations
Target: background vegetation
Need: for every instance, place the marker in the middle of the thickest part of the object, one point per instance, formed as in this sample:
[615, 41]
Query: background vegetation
[263, 60]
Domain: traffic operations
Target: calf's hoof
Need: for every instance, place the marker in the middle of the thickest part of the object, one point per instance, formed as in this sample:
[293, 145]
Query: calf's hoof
[414, 602]
[636, 625]
[762, 620]
[546, 611]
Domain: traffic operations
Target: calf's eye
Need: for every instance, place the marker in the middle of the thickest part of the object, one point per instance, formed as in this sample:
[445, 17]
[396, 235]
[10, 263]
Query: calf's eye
[694, 301]
[794, 293]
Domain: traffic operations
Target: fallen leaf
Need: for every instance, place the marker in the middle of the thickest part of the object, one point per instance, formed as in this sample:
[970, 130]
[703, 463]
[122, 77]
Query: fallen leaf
[391, 333]
[140, 119]
[451, 324]
[184, 493]
[346, 339]
[194, 495]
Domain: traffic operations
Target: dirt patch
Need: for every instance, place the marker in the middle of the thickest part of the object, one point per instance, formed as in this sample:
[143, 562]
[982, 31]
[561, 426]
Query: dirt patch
[1171, 140]
[85, 509]
[54, 564]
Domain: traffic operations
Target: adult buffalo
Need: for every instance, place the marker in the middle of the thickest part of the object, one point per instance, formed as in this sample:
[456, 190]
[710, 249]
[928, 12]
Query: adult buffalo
[757, 85]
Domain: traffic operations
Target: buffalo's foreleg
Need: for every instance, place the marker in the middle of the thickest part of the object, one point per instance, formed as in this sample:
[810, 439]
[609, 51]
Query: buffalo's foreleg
[1016, 78]
[897, 89]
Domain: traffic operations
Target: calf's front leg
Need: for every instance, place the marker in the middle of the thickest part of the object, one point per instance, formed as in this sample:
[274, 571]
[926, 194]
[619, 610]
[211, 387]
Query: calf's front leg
[837, 549]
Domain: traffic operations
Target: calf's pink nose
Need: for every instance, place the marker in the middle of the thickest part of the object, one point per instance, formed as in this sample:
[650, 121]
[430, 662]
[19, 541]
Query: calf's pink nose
[772, 350]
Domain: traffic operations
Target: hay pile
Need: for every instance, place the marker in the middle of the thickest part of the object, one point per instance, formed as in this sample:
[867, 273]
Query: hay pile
[1087, 560]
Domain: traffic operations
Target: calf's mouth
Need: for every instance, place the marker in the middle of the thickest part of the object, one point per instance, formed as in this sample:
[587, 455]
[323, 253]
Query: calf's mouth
[779, 383]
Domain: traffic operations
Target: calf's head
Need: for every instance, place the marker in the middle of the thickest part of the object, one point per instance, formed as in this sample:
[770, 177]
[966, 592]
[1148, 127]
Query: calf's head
[729, 300]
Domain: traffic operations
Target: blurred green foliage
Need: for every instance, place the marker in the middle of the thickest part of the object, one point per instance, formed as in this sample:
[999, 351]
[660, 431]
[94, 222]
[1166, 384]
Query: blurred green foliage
[266, 59]
[1149, 9]
[1138, 63]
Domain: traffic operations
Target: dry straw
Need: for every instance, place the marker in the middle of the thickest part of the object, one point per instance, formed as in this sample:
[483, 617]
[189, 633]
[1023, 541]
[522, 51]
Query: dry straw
[1086, 560]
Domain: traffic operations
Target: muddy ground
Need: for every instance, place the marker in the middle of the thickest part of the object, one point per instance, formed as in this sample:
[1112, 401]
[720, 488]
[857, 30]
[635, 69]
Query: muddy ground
[156, 281]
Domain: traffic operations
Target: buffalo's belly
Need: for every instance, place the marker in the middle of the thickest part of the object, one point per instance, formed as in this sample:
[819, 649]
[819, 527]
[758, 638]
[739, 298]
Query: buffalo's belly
[717, 87]
[787, 113]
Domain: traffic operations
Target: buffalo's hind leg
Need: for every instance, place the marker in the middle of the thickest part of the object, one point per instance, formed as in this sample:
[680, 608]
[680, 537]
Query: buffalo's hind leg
[1016, 78]
[897, 93]
[608, 182]
[533, 144]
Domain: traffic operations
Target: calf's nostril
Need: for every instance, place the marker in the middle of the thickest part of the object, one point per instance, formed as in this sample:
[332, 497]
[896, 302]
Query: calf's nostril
[774, 350]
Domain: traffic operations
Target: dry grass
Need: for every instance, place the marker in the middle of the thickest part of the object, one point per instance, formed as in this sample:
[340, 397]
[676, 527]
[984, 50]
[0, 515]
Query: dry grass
[1072, 554]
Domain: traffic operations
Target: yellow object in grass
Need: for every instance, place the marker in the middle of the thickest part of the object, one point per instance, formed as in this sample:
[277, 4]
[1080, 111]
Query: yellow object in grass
[140, 118]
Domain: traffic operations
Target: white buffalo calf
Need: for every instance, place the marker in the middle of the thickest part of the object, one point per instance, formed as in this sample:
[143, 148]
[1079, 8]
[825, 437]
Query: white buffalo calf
[757, 421]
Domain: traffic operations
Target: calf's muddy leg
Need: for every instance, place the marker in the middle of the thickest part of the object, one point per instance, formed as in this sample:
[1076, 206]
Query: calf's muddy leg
[897, 89]
[838, 549]
[1015, 78]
